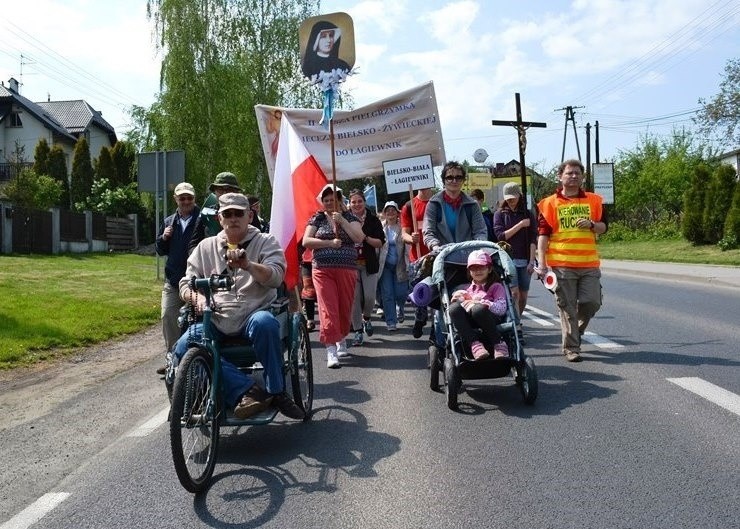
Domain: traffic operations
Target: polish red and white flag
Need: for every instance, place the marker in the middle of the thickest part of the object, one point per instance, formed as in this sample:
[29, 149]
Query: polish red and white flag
[298, 179]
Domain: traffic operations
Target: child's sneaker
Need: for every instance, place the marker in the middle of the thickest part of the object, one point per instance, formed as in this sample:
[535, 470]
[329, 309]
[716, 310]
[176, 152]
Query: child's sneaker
[500, 350]
[479, 350]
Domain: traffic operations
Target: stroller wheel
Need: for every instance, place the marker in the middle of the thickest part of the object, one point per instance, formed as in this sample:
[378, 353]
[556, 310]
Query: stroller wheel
[452, 378]
[434, 367]
[528, 382]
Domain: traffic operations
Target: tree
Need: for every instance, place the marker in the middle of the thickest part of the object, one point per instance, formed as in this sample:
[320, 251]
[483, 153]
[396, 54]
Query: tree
[82, 173]
[732, 223]
[58, 171]
[123, 155]
[32, 191]
[692, 226]
[103, 165]
[721, 115]
[221, 58]
[650, 180]
[41, 157]
[718, 202]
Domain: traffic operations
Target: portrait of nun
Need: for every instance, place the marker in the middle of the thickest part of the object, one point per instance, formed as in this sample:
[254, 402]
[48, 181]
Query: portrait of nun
[322, 50]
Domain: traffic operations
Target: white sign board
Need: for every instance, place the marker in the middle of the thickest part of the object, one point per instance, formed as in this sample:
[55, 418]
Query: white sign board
[416, 171]
[603, 174]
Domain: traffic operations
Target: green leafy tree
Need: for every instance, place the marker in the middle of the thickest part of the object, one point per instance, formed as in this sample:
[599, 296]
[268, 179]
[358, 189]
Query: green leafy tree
[650, 180]
[732, 223]
[123, 155]
[32, 191]
[692, 226]
[718, 201]
[221, 58]
[82, 173]
[41, 157]
[103, 165]
[58, 171]
[721, 114]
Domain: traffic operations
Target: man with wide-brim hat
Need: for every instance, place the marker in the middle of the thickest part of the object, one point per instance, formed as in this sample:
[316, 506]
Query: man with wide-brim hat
[207, 223]
[225, 182]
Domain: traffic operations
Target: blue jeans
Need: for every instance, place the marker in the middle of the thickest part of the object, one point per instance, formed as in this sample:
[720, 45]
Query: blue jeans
[263, 330]
[393, 293]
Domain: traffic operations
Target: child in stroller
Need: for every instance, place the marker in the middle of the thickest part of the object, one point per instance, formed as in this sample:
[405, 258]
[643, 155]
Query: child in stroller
[481, 306]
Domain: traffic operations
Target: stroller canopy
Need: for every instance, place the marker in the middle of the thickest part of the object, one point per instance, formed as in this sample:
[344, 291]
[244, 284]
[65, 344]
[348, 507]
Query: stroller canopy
[457, 253]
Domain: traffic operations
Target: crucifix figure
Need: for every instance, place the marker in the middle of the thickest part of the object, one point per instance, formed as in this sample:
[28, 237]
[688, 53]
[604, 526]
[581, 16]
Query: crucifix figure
[521, 127]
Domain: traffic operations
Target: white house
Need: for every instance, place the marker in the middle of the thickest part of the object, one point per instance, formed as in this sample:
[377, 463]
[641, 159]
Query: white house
[23, 123]
[732, 158]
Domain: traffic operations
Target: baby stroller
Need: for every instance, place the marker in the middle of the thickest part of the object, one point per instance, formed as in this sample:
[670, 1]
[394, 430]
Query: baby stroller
[448, 354]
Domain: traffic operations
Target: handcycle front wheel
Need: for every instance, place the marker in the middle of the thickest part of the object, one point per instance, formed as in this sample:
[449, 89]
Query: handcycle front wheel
[301, 369]
[194, 420]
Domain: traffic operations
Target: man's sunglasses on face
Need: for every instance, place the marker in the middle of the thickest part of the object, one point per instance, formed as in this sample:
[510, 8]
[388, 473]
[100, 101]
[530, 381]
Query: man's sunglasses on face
[227, 214]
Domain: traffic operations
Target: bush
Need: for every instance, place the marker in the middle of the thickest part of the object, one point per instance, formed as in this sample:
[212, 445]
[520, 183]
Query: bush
[664, 229]
[728, 242]
[32, 191]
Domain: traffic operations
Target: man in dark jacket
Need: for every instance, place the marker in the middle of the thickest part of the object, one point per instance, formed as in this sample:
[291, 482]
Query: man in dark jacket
[172, 241]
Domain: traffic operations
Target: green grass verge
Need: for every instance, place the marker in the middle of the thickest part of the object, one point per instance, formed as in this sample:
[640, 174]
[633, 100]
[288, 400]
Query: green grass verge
[54, 304]
[668, 250]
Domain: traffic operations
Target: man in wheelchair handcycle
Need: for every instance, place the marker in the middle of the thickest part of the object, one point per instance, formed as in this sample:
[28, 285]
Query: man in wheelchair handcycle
[256, 263]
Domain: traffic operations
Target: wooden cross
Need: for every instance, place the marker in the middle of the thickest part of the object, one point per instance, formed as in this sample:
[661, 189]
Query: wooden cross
[521, 127]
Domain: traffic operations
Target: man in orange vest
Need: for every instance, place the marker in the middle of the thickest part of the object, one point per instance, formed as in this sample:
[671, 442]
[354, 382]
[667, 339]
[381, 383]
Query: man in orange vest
[568, 223]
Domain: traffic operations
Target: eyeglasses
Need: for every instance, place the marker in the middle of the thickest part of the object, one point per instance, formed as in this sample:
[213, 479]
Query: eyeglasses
[228, 213]
[455, 177]
[185, 198]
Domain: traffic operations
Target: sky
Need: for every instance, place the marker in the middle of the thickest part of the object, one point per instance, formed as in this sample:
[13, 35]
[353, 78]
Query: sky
[638, 67]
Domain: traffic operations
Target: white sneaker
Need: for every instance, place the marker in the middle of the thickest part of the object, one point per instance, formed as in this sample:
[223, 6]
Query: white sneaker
[342, 349]
[332, 362]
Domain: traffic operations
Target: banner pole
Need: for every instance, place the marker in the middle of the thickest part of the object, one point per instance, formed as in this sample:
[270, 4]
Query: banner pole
[414, 223]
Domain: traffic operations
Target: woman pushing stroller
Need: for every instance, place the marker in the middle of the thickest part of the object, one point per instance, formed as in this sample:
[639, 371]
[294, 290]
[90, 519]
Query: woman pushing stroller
[481, 306]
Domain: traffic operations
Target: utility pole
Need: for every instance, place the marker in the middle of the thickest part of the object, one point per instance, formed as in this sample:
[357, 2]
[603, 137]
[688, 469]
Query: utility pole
[521, 127]
[569, 116]
[589, 186]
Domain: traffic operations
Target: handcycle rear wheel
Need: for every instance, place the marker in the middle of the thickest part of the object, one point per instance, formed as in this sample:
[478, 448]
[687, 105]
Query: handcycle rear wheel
[194, 421]
[302, 368]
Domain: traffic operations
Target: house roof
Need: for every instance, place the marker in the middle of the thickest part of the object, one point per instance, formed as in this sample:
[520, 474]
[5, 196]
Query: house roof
[46, 118]
[77, 116]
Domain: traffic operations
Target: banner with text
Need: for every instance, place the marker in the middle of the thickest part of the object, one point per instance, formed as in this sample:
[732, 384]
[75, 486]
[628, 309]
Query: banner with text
[401, 126]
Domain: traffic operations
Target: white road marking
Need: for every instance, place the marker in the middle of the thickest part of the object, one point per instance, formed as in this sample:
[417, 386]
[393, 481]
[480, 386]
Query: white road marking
[600, 341]
[150, 425]
[545, 319]
[528, 313]
[34, 512]
[720, 396]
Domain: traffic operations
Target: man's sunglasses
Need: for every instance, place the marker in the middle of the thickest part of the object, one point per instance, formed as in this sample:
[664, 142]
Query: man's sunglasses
[185, 198]
[228, 213]
[455, 177]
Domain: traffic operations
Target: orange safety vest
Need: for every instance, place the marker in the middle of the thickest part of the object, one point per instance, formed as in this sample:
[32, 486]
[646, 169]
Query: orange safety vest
[570, 246]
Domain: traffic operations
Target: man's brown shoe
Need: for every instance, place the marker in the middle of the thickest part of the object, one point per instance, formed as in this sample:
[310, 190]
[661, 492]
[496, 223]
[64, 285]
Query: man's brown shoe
[288, 407]
[252, 402]
[572, 356]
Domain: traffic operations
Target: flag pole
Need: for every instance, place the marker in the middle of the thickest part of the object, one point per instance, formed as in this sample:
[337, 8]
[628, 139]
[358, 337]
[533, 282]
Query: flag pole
[414, 223]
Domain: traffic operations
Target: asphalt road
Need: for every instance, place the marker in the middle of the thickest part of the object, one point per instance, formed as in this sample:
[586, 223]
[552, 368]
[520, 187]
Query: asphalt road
[642, 433]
